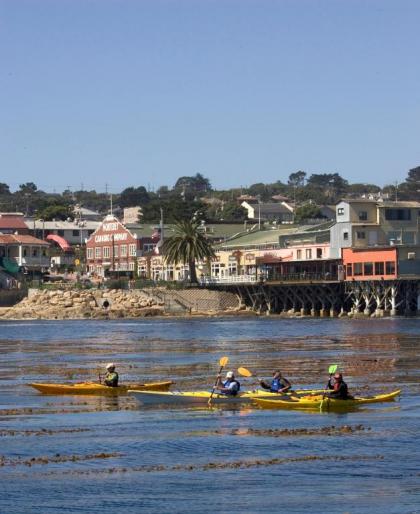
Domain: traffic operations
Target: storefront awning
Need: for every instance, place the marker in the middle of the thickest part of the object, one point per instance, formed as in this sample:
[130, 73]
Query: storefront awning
[62, 243]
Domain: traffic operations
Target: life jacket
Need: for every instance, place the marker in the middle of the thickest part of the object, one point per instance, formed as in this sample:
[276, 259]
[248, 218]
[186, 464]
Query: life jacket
[111, 379]
[228, 382]
[276, 384]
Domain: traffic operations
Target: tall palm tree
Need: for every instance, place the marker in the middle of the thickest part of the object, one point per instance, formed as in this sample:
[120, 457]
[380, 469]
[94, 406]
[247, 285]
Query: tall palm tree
[187, 245]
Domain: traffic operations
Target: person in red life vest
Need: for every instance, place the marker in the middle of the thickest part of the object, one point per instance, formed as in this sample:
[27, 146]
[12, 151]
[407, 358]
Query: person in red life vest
[229, 386]
[338, 388]
[279, 384]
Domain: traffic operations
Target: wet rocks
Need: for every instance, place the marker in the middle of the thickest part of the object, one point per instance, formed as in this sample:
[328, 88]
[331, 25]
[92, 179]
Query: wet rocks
[83, 304]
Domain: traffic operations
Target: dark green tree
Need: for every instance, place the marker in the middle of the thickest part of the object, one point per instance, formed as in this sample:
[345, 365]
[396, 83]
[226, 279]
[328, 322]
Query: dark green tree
[133, 197]
[188, 245]
[297, 179]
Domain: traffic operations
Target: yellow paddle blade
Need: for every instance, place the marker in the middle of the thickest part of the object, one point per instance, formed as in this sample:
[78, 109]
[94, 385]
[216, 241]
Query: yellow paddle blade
[223, 361]
[244, 372]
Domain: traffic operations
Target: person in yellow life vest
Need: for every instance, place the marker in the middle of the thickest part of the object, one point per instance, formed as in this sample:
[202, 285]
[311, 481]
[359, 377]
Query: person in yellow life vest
[111, 377]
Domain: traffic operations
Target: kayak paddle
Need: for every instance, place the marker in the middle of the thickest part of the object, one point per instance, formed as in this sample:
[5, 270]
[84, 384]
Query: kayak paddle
[223, 361]
[246, 373]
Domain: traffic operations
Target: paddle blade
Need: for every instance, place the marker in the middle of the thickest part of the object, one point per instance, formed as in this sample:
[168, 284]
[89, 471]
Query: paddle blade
[332, 369]
[223, 361]
[244, 372]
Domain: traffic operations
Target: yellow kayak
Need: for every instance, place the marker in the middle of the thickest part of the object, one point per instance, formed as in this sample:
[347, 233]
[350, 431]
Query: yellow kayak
[202, 397]
[94, 388]
[317, 402]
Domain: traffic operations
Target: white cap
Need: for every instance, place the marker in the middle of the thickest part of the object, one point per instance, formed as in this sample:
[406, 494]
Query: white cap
[110, 365]
[229, 374]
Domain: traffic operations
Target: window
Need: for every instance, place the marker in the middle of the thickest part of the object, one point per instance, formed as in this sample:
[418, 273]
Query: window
[76, 233]
[408, 238]
[390, 268]
[298, 254]
[89, 253]
[123, 250]
[349, 270]
[116, 251]
[340, 211]
[60, 233]
[319, 253]
[398, 214]
[44, 252]
[361, 235]
[131, 266]
[363, 215]
[379, 268]
[394, 237]
[98, 252]
[308, 253]
[25, 251]
[107, 252]
[357, 268]
[148, 247]
[345, 236]
[132, 250]
[368, 268]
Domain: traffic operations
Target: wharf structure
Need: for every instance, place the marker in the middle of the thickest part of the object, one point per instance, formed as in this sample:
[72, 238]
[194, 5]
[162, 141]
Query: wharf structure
[366, 262]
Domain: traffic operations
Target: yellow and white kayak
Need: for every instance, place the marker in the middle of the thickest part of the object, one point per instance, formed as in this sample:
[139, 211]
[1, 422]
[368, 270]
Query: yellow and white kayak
[318, 402]
[202, 397]
[94, 388]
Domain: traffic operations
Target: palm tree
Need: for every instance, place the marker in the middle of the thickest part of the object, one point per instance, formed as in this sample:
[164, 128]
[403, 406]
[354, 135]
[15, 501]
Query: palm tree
[187, 246]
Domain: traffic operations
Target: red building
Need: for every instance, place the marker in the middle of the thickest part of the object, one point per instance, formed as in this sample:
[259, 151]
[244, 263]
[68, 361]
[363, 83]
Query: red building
[370, 264]
[114, 248]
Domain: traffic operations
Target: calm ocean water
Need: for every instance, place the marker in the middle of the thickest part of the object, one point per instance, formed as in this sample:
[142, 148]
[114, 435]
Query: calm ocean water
[72, 454]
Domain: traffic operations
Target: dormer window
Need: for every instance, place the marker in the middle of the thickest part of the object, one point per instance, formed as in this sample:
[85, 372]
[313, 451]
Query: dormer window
[340, 211]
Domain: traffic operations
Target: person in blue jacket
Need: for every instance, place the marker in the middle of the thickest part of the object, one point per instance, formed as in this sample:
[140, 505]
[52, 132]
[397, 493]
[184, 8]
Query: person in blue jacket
[279, 384]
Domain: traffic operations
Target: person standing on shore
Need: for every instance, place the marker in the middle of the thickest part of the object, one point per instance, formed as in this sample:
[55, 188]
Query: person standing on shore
[111, 377]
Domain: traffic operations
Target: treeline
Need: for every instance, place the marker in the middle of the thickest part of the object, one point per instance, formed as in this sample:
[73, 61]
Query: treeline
[194, 196]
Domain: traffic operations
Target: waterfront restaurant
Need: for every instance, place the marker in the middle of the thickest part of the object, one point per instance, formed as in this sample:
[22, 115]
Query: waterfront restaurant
[113, 249]
[370, 263]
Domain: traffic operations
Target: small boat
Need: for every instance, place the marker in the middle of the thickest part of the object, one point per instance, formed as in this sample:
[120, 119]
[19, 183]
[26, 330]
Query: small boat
[203, 397]
[318, 402]
[95, 388]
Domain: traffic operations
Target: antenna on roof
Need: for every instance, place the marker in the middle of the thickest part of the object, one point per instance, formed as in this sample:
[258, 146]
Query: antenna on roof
[110, 197]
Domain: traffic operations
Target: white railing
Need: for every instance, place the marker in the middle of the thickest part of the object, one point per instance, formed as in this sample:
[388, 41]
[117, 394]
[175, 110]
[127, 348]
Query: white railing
[233, 279]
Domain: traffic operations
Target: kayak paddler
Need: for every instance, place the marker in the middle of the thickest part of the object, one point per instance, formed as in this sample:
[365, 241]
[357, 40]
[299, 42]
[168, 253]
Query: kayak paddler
[279, 384]
[229, 386]
[338, 389]
[111, 377]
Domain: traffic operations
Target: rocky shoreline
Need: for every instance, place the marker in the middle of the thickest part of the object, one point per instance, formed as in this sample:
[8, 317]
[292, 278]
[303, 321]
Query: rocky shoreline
[84, 304]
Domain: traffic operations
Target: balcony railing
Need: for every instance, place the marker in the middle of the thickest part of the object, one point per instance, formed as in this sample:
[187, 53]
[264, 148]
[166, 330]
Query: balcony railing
[271, 277]
[232, 279]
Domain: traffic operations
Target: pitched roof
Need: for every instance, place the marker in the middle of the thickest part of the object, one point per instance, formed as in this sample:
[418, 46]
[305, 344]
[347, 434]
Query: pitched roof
[21, 239]
[12, 221]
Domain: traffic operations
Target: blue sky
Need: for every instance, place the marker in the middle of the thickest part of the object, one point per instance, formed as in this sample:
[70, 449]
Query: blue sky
[115, 93]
